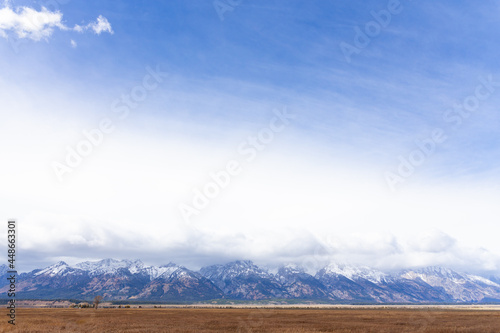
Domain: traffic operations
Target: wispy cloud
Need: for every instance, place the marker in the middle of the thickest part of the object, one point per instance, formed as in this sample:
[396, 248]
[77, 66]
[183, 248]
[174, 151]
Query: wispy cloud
[26, 22]
[99, 26]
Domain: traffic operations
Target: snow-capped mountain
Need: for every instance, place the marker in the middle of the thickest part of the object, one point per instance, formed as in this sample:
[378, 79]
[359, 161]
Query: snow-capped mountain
[132, 279]
[155, 272]
[116, 279]
[244, 280]
[239, 268]
[298, 284]
[177, 282]
[461, 287]
[110, 266]
[341, 287]
[60, 268]
[60, 279]
[355, 273]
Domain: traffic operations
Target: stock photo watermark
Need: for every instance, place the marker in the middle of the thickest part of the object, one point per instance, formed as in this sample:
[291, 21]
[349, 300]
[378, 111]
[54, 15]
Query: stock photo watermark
[364, 35]
[11, 271]
[254, 320]
[223, 6]
[427, 147]
[121, 107]
[419, 322]
[248, 150]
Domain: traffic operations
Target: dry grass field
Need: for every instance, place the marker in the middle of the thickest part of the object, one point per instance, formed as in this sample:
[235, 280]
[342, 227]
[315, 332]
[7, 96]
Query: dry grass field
[254, 320]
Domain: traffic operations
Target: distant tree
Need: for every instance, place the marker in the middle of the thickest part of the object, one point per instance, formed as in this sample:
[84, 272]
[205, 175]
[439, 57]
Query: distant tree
[83, 305]
[97, 300]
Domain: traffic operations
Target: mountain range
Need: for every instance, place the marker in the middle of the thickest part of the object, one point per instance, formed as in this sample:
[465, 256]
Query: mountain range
[243, 280]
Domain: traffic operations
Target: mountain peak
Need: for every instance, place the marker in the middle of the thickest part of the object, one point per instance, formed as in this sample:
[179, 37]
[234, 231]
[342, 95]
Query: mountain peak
[432, 271]
[164, 271]
[55, 269]
[354, 272]
[247, 263]
[110, 266]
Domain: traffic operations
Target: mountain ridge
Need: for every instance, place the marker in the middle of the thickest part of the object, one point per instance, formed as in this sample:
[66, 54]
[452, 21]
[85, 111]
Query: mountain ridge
[243, 280]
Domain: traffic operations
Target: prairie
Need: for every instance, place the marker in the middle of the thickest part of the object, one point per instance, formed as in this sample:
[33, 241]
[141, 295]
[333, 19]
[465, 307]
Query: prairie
[282, 320]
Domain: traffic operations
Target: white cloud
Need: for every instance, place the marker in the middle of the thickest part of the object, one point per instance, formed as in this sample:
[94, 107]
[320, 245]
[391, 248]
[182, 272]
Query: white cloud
[123, 200]
[73, 44]
[102, 25]
[29, 23]
[433, 242]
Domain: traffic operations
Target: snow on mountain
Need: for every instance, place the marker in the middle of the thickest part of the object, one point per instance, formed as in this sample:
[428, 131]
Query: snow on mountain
[93, 268]
[462, 287]
[178, 283]
[60, 268]
[291, 269]
[172, 270]
[132, 279]
[298, 284]
[110, 266]
[234, 269]
[244, 280]
[480, 279]
[156, 272]
[433, 273]
[113, 266]
[354, 273]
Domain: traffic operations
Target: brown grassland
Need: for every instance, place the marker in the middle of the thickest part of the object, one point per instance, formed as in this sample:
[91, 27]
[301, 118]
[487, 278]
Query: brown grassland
[207, 320]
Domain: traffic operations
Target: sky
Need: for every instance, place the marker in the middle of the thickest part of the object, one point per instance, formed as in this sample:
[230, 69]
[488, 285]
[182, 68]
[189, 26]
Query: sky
[200, 132]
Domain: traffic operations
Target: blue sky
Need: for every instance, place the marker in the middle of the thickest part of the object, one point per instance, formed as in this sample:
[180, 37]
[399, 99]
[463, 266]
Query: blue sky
[321, 182]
